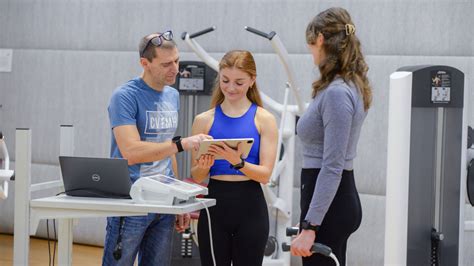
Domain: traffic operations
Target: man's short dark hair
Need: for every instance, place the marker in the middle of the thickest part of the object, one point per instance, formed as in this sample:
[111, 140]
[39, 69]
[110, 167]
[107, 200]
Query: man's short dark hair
[150, 51]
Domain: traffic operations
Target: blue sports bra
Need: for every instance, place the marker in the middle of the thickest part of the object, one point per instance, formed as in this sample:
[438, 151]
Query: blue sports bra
[225, 127]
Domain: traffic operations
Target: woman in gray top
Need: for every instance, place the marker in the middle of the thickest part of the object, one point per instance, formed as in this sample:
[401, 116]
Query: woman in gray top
[329, 131]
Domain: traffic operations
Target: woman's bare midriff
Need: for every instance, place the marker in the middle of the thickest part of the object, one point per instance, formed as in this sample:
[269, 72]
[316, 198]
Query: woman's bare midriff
[230, 177]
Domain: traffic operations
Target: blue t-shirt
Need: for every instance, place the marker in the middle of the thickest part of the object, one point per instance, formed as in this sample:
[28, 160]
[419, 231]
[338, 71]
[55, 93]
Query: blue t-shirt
[154, 113]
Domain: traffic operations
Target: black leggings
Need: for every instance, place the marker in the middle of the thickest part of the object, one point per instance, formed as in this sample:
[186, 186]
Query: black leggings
[341, 220]
[239, 224]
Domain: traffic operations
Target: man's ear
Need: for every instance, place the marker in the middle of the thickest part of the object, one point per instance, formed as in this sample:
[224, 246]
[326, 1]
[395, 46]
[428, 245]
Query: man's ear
[144, 62]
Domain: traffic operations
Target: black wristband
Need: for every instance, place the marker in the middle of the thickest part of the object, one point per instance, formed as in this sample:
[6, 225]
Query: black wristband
[306, 225]
[177, 140]
[239, 165]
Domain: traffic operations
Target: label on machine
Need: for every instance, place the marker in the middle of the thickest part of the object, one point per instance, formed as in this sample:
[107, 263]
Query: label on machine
[191, 78]
[440, 87]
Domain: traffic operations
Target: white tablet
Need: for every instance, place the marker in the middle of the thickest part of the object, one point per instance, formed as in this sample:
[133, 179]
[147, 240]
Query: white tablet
[246, 142]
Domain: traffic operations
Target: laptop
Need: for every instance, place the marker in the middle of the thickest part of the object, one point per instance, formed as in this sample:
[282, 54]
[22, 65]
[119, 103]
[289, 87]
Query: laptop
[95, 177]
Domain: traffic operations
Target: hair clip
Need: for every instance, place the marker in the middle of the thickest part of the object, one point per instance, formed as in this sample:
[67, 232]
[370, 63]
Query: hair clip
[350, 29]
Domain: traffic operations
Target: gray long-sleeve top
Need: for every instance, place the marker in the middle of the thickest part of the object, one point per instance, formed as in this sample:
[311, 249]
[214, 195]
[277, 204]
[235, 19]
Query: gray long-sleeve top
[329, 130]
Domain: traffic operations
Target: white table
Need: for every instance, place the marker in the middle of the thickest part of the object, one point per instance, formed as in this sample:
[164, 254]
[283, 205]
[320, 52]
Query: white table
[66, 208]
[29, 212]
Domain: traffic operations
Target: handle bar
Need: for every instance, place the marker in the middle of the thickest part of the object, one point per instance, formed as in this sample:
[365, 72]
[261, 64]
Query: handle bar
[292, 231]
[199, 33]
[261, 33]
[316, 248]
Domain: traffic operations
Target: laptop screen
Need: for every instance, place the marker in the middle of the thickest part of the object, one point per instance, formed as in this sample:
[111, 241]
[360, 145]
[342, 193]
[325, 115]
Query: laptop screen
[95, 177]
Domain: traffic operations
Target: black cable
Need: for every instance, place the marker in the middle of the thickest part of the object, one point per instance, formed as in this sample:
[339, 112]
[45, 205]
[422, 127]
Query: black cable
[55, 240]
[117, 253]
[49, 247]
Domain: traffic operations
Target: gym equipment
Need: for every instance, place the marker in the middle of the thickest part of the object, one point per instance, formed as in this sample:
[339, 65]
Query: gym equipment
[5, 174]
[470, 165]
[316, 248]
[187, 244]
[194, 78]
[283, 56]
[426, 169]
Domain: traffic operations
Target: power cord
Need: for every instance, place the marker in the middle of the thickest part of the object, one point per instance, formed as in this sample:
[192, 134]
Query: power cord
[55, 240]
[49, 246]
[117, 253]
[49, 243]
[210, 233]
[194, 235]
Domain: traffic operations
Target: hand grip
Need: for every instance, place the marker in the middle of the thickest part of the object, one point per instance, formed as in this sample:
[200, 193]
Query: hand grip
[261, 33]
[199, 33]
[316, 248]
[292, 231]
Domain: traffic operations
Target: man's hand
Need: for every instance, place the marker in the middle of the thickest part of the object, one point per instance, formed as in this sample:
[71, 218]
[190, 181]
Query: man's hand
[182, 222]
[193, 142]
[301, 245]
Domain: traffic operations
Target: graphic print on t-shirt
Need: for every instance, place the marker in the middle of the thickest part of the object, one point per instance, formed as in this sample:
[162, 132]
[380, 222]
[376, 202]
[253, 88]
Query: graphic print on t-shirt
[161, 124]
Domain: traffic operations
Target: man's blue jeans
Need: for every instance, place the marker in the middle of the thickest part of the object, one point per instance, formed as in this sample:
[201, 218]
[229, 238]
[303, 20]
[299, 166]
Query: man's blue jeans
[150, 236]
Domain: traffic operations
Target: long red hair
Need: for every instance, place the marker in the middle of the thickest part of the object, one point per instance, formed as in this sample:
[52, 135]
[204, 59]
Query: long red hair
[242, 60]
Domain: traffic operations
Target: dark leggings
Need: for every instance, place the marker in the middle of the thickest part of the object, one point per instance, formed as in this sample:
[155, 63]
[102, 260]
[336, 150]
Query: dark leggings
[239, 223]
[341, 220]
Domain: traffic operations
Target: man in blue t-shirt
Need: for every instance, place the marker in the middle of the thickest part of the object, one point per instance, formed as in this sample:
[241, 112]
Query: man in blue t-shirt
[143, 116]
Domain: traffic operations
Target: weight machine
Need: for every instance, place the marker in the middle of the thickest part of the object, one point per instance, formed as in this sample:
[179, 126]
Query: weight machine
[6, 174]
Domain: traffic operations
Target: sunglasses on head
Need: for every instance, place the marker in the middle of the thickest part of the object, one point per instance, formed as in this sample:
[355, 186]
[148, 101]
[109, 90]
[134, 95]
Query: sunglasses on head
[158, 40]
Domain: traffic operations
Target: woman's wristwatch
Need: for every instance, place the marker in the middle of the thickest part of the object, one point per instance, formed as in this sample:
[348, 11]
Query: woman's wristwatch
[306, 225]
[239, 165]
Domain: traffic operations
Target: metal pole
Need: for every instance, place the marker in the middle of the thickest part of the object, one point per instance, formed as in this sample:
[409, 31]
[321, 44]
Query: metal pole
[65, 236]
[285, 188]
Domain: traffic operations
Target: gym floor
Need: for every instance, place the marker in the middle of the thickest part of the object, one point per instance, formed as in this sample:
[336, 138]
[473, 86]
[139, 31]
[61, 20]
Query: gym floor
[82, 254]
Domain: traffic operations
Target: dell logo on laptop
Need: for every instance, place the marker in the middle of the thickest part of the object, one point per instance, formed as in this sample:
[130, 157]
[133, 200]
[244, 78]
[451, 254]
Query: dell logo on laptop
[96, 177]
